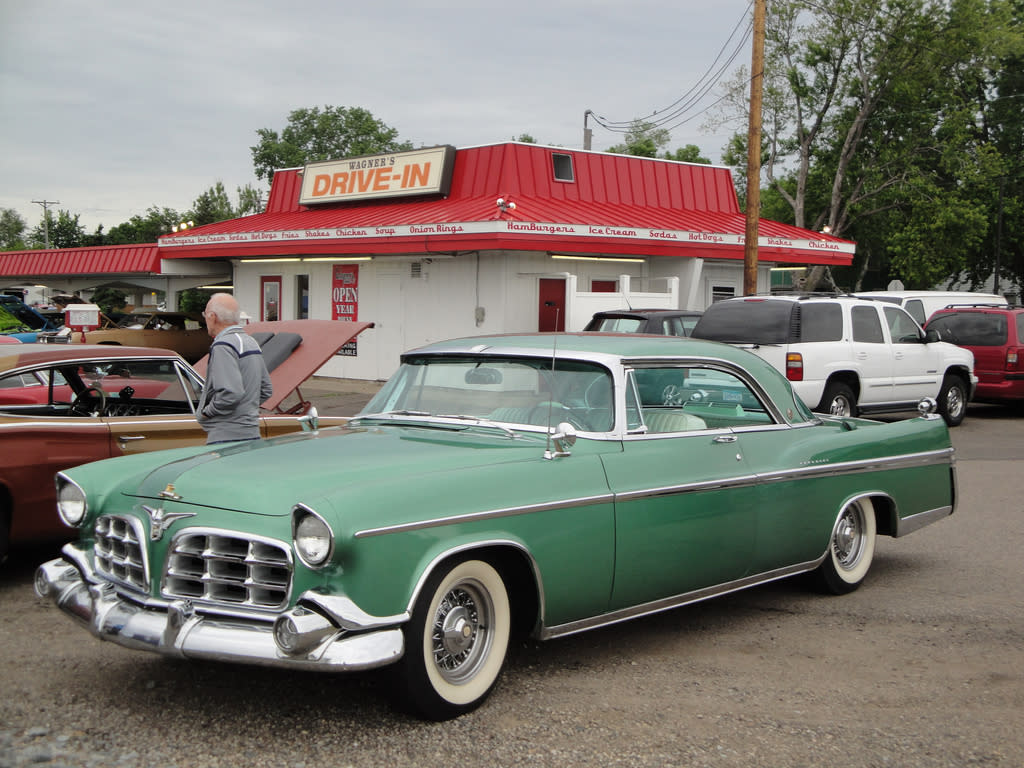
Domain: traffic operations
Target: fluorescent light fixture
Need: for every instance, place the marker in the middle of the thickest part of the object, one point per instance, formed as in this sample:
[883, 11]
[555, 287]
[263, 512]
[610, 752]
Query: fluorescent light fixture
[598, 258]
[340, 259]
[216, 287]
[269, 261]
[788, 269]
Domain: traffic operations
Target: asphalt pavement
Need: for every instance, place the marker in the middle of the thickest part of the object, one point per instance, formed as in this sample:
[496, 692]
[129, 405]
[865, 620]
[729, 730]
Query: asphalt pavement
[339, 397]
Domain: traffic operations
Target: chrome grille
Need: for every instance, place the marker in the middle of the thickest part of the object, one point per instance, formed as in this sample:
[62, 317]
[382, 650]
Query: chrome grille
[119, 551]
[225, 568]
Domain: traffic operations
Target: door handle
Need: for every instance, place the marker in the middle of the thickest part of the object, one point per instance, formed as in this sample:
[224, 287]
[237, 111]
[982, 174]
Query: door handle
[129, 438]
[725, 439]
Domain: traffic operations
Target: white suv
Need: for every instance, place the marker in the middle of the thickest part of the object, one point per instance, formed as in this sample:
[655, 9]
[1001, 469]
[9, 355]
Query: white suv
[845, 355]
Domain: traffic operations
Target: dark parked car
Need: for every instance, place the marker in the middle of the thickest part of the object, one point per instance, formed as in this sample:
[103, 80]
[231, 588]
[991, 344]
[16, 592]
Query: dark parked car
[995, 334]
[661, 322]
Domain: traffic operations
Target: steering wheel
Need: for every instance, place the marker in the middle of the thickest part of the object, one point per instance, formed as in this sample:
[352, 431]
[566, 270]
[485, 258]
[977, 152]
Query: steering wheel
[554, 412]
[91, 401]
[671, 395]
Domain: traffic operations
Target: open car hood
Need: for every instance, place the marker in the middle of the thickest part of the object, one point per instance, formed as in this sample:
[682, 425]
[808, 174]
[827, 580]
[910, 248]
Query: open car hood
[295, 349]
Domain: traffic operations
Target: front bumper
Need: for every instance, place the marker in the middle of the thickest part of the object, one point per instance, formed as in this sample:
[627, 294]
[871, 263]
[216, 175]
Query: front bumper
[319, 638]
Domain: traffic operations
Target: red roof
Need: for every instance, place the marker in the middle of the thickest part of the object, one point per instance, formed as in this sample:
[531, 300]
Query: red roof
[103, 260]
[616, 204]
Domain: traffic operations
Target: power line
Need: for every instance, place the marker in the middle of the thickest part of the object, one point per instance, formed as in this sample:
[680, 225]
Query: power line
[679, 108]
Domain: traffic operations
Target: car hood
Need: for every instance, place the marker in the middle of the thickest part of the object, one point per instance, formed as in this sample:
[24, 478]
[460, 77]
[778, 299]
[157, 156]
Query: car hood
[268, 477]
[320, 341]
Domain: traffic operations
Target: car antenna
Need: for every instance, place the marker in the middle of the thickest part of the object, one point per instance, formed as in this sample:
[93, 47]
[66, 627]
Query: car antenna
[551, 394]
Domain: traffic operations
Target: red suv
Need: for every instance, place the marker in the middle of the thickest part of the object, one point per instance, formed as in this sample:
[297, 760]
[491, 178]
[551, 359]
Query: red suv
[995, 334]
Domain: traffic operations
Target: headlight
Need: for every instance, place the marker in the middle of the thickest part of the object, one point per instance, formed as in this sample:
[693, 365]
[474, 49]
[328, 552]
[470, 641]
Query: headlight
[314, 541]
[71, 503]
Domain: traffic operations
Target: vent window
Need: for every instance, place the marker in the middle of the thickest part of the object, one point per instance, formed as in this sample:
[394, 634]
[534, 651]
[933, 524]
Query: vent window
[562, 166]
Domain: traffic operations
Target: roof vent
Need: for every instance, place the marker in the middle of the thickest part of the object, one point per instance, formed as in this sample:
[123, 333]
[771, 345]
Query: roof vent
[562, 165]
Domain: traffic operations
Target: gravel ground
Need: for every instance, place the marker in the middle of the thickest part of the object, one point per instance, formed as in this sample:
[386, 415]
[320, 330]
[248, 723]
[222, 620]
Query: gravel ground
[923, 666]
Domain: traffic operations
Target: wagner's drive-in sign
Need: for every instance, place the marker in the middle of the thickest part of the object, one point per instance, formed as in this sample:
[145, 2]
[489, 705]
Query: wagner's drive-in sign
[397, 174]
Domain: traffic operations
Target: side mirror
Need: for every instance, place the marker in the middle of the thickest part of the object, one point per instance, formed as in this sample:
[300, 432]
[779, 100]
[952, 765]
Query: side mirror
[931, 336]
[563, 438]
[311, 421]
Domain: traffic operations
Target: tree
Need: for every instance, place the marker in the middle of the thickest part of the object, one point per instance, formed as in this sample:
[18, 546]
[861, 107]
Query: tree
[313, 135]
[110, 300]
[145, 229]
[642, 140]
[12, 230]
[212, 206]
[688, 154]
[194, 299]
[863, 121]
[62, 231]
[250, 200]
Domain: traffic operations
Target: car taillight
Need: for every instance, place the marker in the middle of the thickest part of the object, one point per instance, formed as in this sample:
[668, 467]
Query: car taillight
[794, 366]
[1012, 355]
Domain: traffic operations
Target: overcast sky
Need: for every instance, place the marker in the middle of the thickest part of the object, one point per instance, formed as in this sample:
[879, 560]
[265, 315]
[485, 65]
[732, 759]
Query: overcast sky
[111, 108]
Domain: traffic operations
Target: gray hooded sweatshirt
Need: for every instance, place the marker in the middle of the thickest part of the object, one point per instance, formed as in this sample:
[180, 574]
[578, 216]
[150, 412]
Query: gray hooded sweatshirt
[237, 382]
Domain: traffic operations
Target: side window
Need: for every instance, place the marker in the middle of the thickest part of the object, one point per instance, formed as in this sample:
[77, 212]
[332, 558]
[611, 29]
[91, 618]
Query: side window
[677, 399]
[33, 388]
[916, 309]
[634, 421]
[821, 322]
[902, 328]
[673, 326]
[866, 325]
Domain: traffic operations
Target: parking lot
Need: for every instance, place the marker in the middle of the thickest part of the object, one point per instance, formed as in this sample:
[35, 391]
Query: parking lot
[923, 666]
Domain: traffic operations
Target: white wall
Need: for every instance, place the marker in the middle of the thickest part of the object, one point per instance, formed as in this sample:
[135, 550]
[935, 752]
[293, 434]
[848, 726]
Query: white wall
[474, 294]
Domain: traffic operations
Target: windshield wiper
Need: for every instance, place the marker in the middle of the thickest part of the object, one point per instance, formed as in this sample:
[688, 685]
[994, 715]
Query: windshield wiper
[393, 413]
[478, 420]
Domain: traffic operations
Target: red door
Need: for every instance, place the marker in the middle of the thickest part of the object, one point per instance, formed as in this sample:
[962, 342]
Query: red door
[551, 313]
[270, 298]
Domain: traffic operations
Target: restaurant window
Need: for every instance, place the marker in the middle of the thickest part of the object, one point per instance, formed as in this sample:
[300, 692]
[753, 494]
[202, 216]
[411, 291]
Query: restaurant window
[562, 166]
[302, 297]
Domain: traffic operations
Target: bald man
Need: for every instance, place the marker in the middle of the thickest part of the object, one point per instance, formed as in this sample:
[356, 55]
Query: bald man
[237, 380]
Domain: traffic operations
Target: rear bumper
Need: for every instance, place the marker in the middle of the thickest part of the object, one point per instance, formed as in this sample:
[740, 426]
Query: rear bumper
[318, 640]
[1004, 389]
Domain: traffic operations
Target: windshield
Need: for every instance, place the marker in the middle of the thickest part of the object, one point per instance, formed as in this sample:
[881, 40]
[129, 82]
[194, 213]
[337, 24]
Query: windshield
[522, 391]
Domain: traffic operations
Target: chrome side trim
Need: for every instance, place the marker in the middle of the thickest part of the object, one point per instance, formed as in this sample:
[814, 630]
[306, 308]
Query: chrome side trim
[739, 481]
[927, 458]
[490, 514]
[911, 523]
[906, 461]
[668, 603]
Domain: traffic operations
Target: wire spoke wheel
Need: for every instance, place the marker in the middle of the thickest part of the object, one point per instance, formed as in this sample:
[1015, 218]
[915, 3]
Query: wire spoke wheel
[456, 641]
[851, 548]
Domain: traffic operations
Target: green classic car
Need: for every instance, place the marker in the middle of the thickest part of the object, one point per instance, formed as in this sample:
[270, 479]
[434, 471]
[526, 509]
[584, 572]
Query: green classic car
[543, 484]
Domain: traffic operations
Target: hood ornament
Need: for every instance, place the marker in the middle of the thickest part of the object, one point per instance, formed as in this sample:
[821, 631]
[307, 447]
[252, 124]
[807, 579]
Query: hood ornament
[160, 520]
[168, 493]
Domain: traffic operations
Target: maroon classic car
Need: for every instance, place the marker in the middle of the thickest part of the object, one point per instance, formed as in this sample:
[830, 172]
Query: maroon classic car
[62, 405]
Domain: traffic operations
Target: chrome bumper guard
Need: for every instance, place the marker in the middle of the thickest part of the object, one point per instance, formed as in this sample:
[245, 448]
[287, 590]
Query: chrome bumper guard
[316, 639]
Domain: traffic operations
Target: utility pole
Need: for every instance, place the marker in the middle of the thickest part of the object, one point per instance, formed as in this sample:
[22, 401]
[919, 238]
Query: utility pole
[46, 219]
[999, 237]
[754, 152]
[588, 134]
